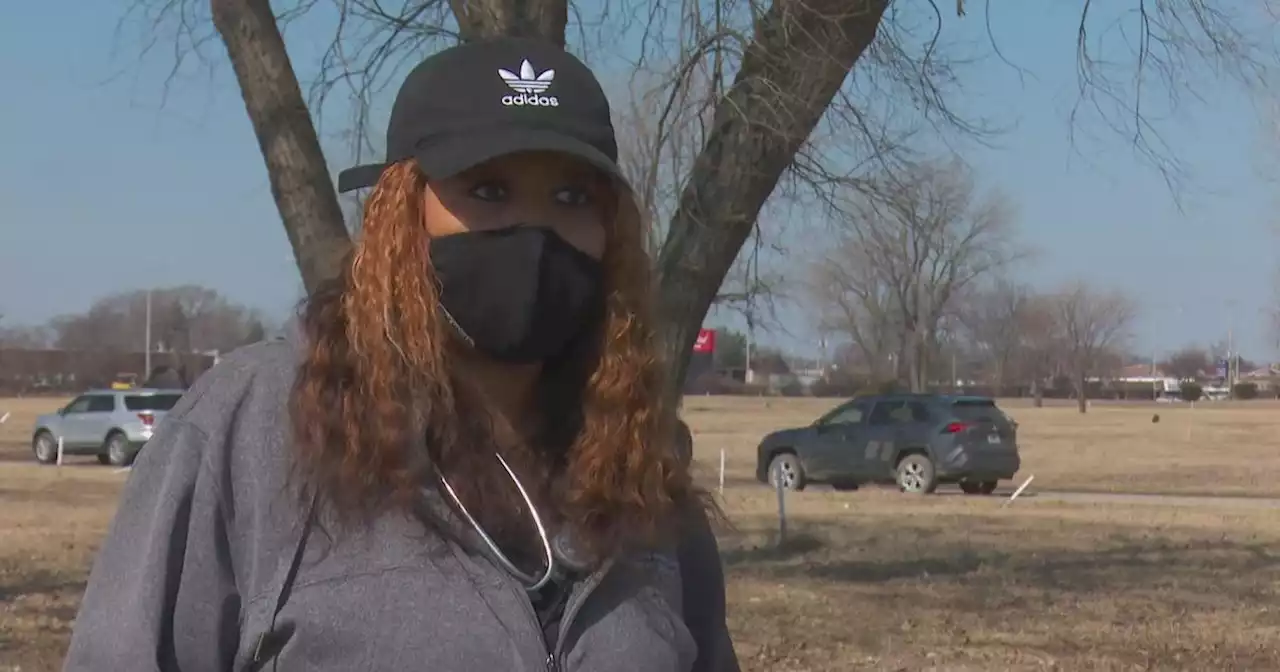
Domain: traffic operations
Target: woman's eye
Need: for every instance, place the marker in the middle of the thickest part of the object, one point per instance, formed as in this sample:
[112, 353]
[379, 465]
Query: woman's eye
[573, 196]
[489, 191]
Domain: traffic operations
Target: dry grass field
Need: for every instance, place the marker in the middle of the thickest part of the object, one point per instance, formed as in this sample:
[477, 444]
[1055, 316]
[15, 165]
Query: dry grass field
[873, 580]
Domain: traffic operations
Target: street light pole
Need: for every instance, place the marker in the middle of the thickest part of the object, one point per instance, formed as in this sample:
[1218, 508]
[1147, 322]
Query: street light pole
[147, 357]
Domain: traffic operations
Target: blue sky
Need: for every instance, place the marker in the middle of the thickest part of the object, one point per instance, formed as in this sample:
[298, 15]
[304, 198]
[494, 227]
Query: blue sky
[108, 185]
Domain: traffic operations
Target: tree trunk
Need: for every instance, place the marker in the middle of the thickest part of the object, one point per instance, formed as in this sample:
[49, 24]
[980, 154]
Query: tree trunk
[296, 168]
[917, 365]
[923, 362]
[1082, 394]
[800, 56]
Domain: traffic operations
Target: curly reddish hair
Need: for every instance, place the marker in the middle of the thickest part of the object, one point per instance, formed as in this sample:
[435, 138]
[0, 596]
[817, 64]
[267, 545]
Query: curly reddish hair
[377, 410]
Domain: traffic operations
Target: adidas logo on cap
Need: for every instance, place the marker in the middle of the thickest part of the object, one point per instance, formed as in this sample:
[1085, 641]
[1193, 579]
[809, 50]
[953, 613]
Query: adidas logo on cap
[528, 84]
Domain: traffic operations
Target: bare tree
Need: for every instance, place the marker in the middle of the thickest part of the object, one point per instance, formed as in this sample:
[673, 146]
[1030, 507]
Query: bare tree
[1043, 348]
[183, 319]
[855, 300]
[775, 67]
[25, 337]
[1189, 363]
[661, 130]
[1273, 327]
[1093, 326]
[1272, 312]
[911, 244]
[998, 320]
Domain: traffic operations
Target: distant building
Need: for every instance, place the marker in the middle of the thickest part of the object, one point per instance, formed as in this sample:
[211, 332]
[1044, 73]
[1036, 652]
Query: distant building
[1140, 380]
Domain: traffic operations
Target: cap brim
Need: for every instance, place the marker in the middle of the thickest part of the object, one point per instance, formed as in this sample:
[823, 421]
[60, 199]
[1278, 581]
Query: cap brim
[457, 153]
[360, 176]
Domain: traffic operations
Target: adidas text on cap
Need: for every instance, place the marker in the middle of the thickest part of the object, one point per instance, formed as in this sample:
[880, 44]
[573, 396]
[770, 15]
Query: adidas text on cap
[481, 100]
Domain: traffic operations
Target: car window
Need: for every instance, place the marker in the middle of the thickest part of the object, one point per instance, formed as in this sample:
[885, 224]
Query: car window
[885, 411]
[151, 402]
[918, 412]
[78, 406]
[849, 415]
[977, 410]
[901, 414]
[101, 403]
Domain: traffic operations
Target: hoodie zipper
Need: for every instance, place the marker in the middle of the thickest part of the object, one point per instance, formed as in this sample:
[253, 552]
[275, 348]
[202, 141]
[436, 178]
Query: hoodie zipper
[522, 596]
[576, 599]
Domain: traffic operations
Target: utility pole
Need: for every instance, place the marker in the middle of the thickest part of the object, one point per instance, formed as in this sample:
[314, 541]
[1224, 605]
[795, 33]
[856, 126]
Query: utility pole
[1155, 389]
[1231, 328]
[147, 357]
[1231, 387]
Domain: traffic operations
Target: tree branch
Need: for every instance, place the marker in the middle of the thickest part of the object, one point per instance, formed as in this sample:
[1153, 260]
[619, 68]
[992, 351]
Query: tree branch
[801, 54]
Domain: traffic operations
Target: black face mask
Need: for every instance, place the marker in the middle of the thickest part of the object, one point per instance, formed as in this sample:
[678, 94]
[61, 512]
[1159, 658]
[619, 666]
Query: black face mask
[518, 294]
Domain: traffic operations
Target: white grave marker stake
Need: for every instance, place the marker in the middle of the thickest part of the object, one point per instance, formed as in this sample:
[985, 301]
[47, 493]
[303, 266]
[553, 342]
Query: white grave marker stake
[1017, 492]
[782, 510]
[722, 472]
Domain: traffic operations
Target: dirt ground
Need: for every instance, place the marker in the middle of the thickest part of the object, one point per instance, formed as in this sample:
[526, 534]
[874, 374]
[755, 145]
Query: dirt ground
[871, 580]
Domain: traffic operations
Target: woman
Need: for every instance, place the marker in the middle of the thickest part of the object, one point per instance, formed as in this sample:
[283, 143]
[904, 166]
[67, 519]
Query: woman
[459, 463]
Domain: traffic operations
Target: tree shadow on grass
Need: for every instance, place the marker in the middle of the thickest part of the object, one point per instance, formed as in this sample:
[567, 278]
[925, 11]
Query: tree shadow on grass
[1091, 595]
[82, 493]
[15, 583]
[1120, 561]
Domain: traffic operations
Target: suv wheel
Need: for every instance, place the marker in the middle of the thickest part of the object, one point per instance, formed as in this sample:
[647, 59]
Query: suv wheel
[118, 452]
[45, 448]
[915, 474]
[785, 469]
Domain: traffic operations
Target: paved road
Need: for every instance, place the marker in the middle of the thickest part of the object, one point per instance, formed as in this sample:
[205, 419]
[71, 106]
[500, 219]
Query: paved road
[1253, 502]
[1169, 499]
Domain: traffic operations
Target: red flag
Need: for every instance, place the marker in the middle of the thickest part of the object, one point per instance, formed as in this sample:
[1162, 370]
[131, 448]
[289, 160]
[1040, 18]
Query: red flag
[706, 341]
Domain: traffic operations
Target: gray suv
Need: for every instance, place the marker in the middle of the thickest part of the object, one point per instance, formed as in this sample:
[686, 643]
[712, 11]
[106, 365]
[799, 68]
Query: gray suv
[915, 441]
[111, 424]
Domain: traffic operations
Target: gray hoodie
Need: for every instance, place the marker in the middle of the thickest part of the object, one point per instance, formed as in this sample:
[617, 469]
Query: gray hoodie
[198, 571]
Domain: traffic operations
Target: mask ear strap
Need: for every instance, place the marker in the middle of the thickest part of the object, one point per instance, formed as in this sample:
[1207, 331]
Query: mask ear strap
[457, 327]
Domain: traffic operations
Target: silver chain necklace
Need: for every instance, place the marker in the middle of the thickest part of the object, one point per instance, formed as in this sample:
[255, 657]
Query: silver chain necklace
[531, 582]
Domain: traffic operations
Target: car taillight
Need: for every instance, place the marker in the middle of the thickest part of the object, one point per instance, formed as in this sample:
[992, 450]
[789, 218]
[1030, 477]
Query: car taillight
[956, 427]
[147, 419]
